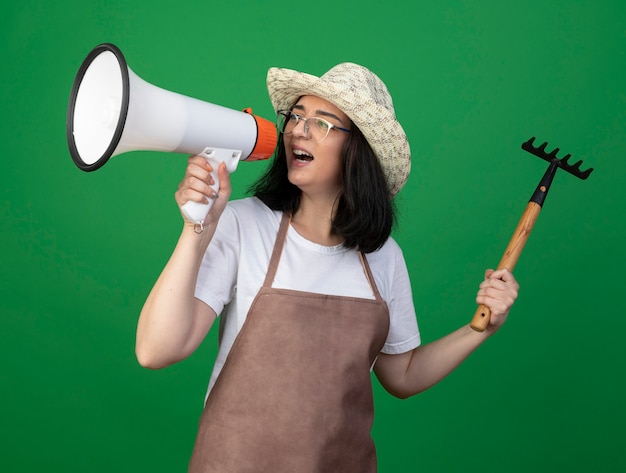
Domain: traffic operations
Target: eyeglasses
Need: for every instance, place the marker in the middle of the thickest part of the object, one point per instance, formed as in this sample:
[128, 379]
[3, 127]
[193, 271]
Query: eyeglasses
[315, 129]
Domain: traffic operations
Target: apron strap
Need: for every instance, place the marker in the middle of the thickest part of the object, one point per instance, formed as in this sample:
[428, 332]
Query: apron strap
[278, 249]
[370, 276]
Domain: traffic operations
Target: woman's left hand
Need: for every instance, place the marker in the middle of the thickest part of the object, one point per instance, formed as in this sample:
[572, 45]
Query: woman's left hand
[498, 292]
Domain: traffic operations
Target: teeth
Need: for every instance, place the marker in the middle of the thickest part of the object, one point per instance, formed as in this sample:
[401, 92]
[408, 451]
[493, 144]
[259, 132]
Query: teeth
[299, 152]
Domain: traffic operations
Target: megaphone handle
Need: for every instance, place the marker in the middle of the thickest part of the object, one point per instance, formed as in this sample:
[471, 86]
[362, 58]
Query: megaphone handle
[196, 211]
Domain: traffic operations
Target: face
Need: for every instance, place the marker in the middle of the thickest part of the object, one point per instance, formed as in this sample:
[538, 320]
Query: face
[316, 167]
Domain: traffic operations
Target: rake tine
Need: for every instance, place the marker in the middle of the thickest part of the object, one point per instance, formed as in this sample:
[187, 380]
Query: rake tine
[552, 155]
[540, 152]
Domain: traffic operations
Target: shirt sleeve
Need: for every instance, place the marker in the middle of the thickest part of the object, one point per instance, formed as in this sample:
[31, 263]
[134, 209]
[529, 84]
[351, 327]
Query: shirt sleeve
[404, 332]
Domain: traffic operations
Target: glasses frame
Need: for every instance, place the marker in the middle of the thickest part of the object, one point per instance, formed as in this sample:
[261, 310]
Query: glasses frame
[288, 115]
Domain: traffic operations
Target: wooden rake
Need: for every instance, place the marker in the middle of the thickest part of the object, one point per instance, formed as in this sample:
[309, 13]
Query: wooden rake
[481, 318]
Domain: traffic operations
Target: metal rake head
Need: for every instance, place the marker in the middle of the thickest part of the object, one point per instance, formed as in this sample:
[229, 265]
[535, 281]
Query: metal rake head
[562, 163]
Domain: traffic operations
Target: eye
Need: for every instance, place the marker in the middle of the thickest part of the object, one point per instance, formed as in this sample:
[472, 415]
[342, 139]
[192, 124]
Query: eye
[294, 117]
[322, 125]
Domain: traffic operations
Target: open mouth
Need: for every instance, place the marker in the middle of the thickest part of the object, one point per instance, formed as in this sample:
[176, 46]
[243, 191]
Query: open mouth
[303, 156]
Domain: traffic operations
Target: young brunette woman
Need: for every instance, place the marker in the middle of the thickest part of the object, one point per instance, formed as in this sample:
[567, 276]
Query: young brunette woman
[311, 290]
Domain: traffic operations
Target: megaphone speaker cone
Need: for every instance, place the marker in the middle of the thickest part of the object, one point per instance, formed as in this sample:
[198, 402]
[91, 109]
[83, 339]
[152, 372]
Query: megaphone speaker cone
[98, 107]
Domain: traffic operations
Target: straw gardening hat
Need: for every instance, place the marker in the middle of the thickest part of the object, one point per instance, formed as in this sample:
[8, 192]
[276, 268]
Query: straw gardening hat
[361, 95]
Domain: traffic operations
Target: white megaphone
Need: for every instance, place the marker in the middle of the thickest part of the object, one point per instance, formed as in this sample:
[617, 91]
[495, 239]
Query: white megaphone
[113, 111]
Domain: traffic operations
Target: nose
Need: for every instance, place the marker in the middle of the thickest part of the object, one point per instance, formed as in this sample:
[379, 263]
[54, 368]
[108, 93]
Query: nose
[301, 130]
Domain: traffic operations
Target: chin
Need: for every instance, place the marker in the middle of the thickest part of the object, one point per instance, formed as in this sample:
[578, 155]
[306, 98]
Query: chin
[295, 181]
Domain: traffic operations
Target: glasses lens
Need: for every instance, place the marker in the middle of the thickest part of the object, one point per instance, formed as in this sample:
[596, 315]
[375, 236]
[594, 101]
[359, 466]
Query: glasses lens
[316, 129]
[282, 118]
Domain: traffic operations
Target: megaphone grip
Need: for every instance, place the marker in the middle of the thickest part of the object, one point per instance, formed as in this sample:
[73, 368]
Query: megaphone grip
[196, 212]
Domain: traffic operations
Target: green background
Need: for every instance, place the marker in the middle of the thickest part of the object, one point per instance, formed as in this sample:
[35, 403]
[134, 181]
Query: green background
[471, 81]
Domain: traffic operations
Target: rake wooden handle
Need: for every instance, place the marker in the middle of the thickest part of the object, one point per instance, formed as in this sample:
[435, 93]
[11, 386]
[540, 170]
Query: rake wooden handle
[510, 257]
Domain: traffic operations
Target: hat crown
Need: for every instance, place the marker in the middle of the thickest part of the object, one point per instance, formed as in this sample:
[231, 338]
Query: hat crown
[359, 81]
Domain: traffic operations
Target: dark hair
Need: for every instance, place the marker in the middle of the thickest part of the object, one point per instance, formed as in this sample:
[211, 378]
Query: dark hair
[365, 212]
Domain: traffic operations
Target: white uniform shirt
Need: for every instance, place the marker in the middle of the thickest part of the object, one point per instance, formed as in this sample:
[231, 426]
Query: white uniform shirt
[237, 259]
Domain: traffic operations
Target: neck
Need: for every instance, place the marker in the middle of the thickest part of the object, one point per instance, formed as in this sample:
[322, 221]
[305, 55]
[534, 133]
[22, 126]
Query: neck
[313, 221]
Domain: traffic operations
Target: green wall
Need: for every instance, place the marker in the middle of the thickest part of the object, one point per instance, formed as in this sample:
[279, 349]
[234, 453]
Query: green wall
[471, 81]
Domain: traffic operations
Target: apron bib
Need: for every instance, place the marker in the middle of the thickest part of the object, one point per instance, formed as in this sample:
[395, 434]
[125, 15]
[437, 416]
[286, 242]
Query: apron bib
[295, 393]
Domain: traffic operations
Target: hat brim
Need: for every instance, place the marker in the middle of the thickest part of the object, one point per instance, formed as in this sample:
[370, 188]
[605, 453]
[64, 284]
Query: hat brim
[377, 123]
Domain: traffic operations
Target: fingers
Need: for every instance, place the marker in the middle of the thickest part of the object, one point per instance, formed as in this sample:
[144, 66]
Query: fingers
[200, 183]
[502, 274]
[498, 291]
[196, 184]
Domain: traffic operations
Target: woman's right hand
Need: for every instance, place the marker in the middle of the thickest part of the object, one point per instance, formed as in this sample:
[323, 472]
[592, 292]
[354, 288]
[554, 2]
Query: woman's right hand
[196, 187]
